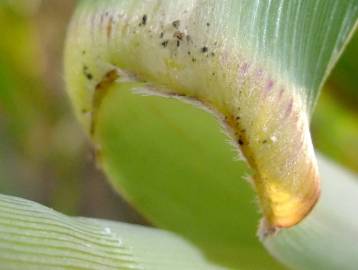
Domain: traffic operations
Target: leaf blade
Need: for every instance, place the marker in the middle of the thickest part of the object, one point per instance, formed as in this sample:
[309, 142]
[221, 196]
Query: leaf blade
[35, 237]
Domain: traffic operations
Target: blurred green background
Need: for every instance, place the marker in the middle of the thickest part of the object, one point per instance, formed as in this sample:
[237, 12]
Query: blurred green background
[45, 156]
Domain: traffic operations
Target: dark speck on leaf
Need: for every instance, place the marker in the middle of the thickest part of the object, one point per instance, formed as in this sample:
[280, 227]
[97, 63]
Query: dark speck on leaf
[193, 59]
[178, 43]
[176, 24]
[204, 49]
[264, 141]
[144, 20]
[165, 43]
[161, 35]
[207, 24]
[241, 142]
[87, 74]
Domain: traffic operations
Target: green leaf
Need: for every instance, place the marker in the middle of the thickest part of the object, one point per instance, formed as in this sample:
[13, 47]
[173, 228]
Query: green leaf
[334, 123]
[182, 175]
[256, 65]
[335, 130]
[35, 237]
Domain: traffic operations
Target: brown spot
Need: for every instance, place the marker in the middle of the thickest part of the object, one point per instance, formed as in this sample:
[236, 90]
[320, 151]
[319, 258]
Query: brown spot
[100, 92]
[107, 80]
[179, 35]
